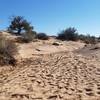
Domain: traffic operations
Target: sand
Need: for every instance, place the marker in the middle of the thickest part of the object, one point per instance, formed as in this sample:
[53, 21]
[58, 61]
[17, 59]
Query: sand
[48, 72]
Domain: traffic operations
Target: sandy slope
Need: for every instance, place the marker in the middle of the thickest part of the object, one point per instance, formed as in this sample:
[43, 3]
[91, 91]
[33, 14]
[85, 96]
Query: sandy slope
[46, 47]
[48, 72]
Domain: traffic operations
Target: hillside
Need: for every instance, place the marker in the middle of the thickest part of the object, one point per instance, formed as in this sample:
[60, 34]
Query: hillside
[70, 71]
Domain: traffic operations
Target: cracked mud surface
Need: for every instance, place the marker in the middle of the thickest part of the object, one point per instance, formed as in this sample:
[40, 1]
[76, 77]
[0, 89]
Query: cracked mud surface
[58, 76]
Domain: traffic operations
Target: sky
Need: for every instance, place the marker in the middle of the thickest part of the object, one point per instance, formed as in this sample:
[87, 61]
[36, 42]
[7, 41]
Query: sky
[52, 16]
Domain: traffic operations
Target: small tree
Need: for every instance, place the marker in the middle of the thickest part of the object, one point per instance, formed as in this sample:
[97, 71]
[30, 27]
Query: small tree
[19, 24]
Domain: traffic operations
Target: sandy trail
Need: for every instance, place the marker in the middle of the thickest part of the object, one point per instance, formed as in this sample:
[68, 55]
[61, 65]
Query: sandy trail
[57, 76]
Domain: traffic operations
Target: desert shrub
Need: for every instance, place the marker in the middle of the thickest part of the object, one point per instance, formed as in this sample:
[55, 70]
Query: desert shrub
[71, 34]
[68, 34]
[42, 36]
[92, 40]
[88, 39]
[7, 51]
[61, 36]
[99, 39]
[29, 36]
[18, 24]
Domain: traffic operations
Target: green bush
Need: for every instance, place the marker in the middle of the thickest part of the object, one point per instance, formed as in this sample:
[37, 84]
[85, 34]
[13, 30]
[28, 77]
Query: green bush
[71, 34]
[42, 36]
[68, 34]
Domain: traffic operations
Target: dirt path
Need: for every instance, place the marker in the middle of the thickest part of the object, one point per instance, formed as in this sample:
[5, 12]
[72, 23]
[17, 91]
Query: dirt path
[58, 76]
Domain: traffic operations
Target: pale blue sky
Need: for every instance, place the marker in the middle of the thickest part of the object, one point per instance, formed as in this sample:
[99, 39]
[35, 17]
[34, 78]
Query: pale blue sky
[51, 16]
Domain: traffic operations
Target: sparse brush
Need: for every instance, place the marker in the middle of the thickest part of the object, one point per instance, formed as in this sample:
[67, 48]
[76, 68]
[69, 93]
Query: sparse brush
[7, 50]
[28, 37]
[88, 39]
[68, 34]
[42, 36]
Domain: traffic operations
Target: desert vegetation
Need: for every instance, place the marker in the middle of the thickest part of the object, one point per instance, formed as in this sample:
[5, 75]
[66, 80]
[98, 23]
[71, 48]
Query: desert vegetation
[28, 37]
[71, 34]
[7, 51]
[68, 34]
[20, 26]
[42, 36]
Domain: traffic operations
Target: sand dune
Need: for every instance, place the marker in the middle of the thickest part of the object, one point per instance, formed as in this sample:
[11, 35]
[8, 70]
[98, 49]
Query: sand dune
[47, 72]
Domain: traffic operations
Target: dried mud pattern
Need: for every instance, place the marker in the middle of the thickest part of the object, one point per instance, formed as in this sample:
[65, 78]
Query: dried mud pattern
[58, 76]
